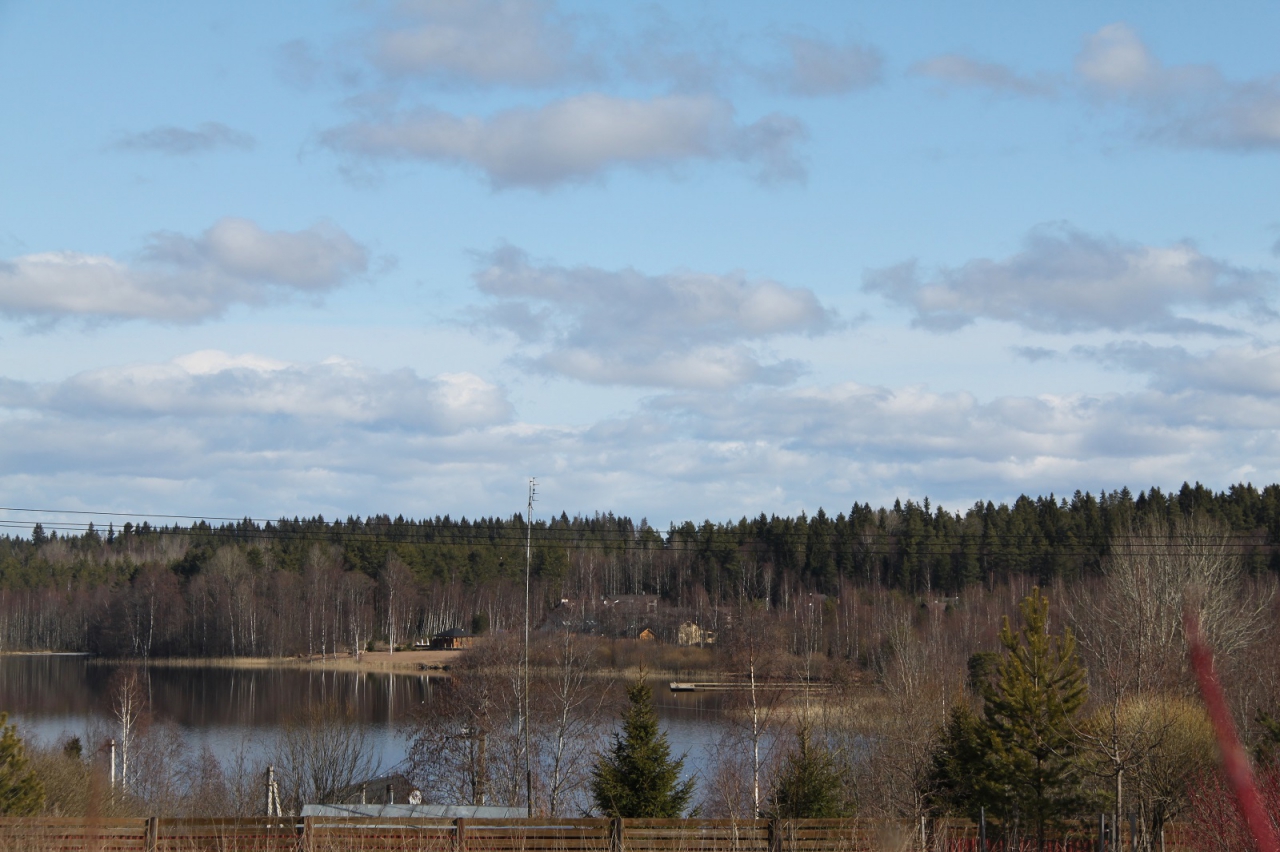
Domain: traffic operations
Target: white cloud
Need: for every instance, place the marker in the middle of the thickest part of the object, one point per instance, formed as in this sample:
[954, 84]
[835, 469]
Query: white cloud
[1252, 370]
[958, 70]
[579, 139]
[683, 329]
[909, 441]
[1065, 280]
[180, 278]
[179, 141]
[1190, 104]
[215, 386]
[1183, 104]
[816, 67]
[511, 42]
[237, 434]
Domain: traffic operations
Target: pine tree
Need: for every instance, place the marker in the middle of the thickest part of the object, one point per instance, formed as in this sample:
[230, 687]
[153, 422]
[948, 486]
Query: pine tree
[21, 792]
[637, 777]
[809, 785]
[1029, 714]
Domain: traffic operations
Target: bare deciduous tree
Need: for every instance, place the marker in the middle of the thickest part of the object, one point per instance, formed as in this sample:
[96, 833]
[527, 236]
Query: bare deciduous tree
[129, 707]
[1130, 635]
[322, 752]
[569, 718]
[466, 747]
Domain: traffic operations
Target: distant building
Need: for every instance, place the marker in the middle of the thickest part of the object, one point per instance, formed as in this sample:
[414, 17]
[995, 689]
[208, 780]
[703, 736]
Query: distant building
[453, 640]
[383, 790]
[691, 634]
[647, 635]
[631, 603]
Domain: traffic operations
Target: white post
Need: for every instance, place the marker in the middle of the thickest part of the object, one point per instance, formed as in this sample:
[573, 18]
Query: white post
[112, 744]
[526, 709]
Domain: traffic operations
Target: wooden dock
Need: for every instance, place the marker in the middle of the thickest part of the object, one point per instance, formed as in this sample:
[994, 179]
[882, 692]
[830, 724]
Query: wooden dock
[737, 686]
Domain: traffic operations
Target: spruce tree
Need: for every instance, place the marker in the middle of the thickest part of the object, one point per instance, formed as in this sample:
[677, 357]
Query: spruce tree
[637, 777]
[809, 786]
[21, 792]
[959, 779]
[1029, 715]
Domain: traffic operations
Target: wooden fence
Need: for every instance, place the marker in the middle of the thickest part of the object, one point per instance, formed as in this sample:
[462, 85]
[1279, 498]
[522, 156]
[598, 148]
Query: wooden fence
[377, 834]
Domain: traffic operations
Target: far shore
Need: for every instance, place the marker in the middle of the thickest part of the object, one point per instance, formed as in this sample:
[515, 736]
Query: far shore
[401, 662]
[366, 661]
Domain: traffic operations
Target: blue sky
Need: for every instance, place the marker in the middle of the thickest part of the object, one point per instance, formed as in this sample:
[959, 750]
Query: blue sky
[677, 260]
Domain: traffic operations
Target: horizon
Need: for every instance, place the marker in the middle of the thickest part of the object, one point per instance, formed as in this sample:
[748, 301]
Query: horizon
[78, 522]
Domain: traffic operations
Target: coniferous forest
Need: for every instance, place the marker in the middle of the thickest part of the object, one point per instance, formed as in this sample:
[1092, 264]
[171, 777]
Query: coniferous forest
[315, 586]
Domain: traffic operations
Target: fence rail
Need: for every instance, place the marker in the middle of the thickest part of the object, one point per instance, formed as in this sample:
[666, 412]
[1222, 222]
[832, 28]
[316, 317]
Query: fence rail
[414, 834]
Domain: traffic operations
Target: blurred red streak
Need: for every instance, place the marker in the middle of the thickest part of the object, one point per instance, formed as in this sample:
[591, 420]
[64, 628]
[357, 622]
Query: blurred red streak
[1235, 764]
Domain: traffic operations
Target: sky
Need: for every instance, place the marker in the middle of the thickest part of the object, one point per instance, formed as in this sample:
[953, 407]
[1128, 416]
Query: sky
[677, 260]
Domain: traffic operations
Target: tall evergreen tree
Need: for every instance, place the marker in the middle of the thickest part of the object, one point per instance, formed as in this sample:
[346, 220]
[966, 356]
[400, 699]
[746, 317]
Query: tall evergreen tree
[21, 792]
[637, 777]
[809, 785]
[1029, 713]
[960, 780]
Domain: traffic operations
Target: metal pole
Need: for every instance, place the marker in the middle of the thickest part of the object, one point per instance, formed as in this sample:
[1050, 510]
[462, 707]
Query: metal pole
[982, 829]
[112, 743]
[528, 572]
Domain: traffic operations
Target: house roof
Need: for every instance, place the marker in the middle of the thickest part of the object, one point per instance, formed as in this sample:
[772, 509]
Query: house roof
[438, 811]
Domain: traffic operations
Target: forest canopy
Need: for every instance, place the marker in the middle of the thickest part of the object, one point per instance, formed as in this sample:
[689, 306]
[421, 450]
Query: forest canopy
[311, 585]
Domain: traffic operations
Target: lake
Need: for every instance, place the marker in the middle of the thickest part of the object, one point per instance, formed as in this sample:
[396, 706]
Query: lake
[51, 696]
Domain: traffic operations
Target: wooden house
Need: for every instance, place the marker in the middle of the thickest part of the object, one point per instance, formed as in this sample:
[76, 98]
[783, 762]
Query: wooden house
[455, 639]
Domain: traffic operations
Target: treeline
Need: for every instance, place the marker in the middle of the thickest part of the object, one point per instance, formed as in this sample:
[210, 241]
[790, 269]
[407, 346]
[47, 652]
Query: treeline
[318, 586]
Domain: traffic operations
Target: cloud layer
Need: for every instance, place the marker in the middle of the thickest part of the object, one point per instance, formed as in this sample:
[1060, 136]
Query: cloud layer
[816, 67]
[579, 139]
[676, 330]
[1186, 104]
[1065, 280]
[179, 278]
[210, 385]
[1191, 105]
[490, 42]
[959, 70]
[179, 141]
[244, 433]
[1252, 370]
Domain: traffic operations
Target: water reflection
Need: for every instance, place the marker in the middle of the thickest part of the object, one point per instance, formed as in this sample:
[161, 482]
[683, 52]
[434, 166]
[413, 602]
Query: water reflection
[54, 695]
[47, 685]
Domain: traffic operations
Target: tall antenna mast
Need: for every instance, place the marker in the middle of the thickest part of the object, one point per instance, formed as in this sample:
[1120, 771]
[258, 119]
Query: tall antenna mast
[528, 572]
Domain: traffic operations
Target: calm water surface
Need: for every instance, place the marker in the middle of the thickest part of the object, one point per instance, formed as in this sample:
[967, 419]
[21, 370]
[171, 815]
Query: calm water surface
[50, 696]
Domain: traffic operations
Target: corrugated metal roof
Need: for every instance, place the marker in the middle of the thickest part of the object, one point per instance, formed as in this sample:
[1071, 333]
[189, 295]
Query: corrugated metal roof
[438, 811]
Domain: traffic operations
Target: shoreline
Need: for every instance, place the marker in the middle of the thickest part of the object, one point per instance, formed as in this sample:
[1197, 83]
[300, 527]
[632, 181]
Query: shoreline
[435, 663]
[403, 662]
